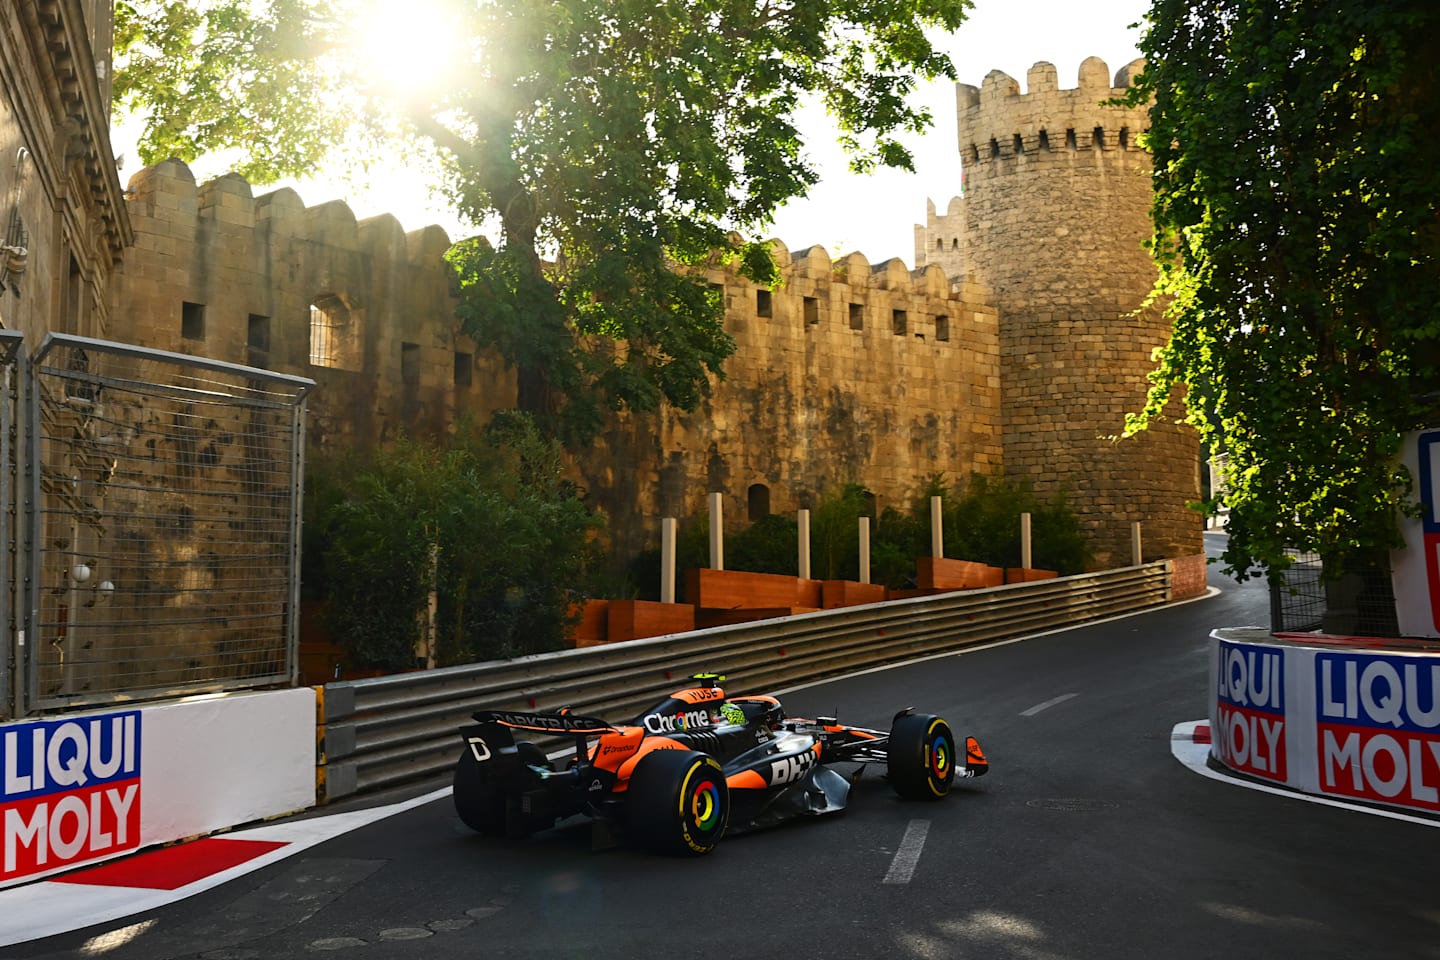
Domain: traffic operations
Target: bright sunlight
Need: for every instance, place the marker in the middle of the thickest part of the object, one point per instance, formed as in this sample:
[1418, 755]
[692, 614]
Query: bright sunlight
[410, 45]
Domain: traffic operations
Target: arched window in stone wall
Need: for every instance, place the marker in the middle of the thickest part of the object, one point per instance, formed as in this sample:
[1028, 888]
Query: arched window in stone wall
[1099, 138]
[758, 498]
[334, 338]
[1044, 139]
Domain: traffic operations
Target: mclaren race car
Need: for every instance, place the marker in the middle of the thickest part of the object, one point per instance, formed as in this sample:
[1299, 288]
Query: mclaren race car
[697, 765]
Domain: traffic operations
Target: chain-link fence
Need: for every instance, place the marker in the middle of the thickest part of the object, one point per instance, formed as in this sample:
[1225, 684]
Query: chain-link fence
[12, 375]
[1299, 605]
[1361, 603]
[164, 502]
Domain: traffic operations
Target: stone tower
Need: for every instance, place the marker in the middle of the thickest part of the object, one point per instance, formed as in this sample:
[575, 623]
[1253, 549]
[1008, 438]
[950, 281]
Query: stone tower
[1051, 225]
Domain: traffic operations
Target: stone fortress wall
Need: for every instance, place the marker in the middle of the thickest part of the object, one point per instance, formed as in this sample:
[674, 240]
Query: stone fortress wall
[219, 273]
[845, 372]
[1050, 230]
[1012, 345]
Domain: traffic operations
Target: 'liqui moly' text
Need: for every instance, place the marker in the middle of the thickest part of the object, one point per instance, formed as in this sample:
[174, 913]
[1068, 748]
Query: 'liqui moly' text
[1378, 727]
[71, 792]
[1250, 710]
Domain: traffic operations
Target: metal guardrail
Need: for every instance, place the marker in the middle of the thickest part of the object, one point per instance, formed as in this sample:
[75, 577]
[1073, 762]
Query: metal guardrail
[401, 729]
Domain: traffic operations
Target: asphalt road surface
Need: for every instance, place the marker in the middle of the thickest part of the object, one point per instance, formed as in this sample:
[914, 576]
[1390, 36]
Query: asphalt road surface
[1086, 840]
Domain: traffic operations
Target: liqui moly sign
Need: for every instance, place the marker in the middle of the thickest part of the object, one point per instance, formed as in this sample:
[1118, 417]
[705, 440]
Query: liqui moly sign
[71, 792]
[1250, 710]
[1378, 727]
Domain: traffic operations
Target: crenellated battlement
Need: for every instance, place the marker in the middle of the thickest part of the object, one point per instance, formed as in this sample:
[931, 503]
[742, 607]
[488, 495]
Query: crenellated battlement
[996, 122]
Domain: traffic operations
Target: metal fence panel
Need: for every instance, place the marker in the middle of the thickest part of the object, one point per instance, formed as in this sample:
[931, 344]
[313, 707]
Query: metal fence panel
[1362, 603]
[164, 513]
[12, 369]
[394, 730]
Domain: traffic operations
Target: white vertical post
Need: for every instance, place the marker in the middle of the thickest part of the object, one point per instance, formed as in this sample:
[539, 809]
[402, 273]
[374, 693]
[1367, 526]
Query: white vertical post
[937, 534]
[667, 560]
[1135, 553]
[1025, 540]
[717, 533]
[427, 650]
[864, 549]
[804, 523]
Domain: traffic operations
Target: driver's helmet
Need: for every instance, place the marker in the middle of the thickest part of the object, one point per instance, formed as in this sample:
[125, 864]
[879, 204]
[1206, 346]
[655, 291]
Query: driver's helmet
[727, 712]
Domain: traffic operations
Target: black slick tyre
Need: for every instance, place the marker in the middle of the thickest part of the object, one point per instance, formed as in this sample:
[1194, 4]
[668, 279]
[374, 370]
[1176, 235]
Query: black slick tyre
[479, 799]
[921, 757]
[677, 803]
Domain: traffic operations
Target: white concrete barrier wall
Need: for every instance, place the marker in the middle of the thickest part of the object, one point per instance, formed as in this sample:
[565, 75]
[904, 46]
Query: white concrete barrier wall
[81, 788]
[1356, 722]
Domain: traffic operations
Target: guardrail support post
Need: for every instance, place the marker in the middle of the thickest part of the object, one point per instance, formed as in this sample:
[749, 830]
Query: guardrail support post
[937, 533]
[1025, 541]
[667, 560]
[717, 533]
[804, 525]
[864, 549]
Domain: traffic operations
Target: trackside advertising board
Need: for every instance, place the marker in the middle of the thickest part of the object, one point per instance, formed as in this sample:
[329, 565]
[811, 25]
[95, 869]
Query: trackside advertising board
[1377, 733]
[1347, 723]
[82, 788]
[1249, 722]
[72, 791]
[1415, 569]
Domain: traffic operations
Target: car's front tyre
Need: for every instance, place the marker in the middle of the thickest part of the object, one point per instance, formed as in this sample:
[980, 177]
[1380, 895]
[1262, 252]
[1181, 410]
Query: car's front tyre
[921, 757]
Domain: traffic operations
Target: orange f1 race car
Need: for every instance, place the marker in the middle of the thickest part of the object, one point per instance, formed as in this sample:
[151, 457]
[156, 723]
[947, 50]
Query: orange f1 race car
[698, 764]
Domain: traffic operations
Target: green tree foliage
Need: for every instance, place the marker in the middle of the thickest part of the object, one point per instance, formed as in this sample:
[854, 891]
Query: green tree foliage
[512, 544]
[1295, 175]
[615, 145]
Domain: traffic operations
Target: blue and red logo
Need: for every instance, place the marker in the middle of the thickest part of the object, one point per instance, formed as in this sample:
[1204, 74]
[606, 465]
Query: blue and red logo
[1377, 727]
[69, 792]
[1250, 710]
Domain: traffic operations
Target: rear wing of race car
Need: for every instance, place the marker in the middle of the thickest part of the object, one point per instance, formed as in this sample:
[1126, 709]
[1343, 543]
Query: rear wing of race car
[557, 723]
[561, 723]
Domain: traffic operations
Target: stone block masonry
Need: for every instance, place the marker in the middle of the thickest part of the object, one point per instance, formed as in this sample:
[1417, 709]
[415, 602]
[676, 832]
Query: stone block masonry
[1051, 225]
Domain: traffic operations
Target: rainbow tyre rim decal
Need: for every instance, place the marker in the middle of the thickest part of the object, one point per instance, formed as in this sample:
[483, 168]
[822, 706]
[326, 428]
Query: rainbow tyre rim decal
[705, 805]
[942, 753]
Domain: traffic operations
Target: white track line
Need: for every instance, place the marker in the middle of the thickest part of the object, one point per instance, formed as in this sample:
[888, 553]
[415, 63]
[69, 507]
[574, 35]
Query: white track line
[908, 856]
[1048, 704]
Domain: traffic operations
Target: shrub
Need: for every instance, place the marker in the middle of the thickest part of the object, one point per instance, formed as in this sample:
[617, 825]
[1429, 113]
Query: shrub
[487, 521]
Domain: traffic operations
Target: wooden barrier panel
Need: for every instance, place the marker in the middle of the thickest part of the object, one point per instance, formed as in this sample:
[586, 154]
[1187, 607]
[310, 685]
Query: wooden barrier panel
[632, 619]
[736, 589]
[1027, 574]
[849, 593]
[941, 573]
[593, 627]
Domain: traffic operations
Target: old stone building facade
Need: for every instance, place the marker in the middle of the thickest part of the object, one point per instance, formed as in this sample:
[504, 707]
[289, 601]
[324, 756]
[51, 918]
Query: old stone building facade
[63, 222]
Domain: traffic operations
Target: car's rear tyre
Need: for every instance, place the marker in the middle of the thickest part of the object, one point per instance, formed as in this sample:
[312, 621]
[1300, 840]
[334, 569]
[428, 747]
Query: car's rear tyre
[921, 757]
[677, 803]
[479, 793]
[479, 799]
